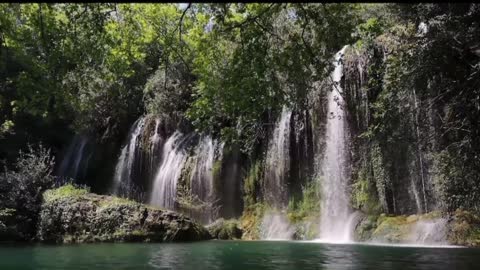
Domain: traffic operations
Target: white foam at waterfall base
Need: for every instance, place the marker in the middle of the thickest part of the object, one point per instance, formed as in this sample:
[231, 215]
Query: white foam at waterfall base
[335, 209]
[275, 226]
[165, 182]
[429, 232]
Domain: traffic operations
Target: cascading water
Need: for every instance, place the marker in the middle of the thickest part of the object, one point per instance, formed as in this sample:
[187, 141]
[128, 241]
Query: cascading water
[173, 159]
[74, 163]
[155, 142]
[278, 162]
[124, 168]
[202, 176]
[153, 160]
[335, 210]
[201, 181]
[274, 224]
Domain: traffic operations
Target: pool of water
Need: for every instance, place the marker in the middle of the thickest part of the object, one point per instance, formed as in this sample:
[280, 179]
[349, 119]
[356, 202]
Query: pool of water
[241, 255]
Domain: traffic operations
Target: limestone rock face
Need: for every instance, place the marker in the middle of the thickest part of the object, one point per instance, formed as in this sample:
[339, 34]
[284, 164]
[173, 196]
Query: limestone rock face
[97, 218]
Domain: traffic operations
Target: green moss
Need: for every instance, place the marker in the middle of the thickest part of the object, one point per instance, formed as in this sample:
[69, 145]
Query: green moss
[251, 182]
[217, 169]
[465, 229]
[116, 201]
[7, 212]
[251, 221]
[392, 229]
[364, 196]
[306, 229]
[379, 174]
[431, 215]
[225, 229]
[365, 228]
[308, 206]
[65, 191]
[122, 234]
[187, 171]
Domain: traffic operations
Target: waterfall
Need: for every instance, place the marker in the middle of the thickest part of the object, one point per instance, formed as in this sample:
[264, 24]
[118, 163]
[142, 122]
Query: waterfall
[201, 181]
[350, 225]
[202, 176]
[124, 168]
[275, 225]
[155, 141]
[74, 163]
[230, 185]
[335, 203]
[419, 151]
[172, 161]
[278, 162]
[154, 160]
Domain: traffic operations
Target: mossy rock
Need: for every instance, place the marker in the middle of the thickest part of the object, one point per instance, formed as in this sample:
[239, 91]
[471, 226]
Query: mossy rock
[464, 229]
[66, 191]
[391, 229]
[70, 215]
[225, 229]
[365, 228]
[251, 221]
[307, 229]
[398, 229]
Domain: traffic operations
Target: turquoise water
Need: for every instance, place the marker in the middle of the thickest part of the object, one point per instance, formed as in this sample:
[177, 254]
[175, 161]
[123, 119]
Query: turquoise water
[245, 255]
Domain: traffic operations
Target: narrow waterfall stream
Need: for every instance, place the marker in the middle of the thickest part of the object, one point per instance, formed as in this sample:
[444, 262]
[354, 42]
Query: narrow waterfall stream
[335, 203]
[201, 181]
[275, 225]
[124, 168]
[75, 161]
[202, 176]
[278, 162]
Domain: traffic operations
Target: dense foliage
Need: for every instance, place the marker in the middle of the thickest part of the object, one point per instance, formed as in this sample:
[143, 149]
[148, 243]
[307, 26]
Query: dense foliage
[228, 69]
[95, 68]
[21, 193]
[417, 107]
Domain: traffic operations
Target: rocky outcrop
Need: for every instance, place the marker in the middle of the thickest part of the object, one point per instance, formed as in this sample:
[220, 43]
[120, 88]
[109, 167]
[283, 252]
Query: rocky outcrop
[70, 215]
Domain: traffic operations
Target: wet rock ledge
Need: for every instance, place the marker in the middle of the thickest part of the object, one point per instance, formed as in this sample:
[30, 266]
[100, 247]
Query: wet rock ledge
[73, 215]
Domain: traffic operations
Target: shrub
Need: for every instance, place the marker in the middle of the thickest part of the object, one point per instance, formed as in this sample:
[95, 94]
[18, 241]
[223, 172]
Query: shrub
[21, 189]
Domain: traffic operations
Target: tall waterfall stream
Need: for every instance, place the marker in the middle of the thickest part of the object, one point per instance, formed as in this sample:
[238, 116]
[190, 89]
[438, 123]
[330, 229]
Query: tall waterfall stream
[335, 205]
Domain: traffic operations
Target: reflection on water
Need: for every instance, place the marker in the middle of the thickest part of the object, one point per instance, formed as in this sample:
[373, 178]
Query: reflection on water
[236, 255]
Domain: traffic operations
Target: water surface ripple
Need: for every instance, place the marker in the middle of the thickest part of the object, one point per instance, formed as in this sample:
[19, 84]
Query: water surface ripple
[236, 255]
